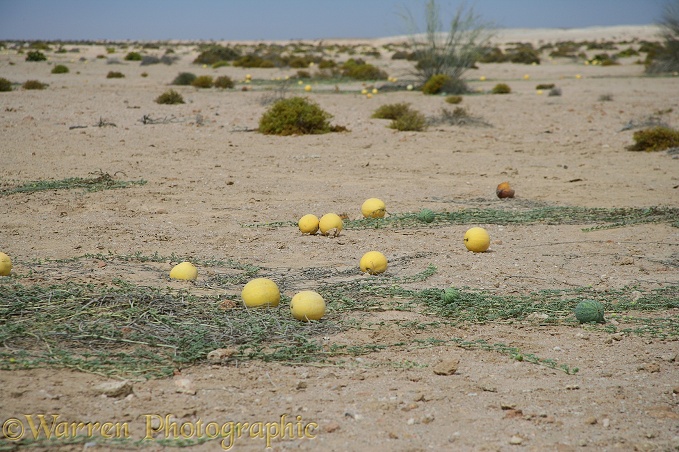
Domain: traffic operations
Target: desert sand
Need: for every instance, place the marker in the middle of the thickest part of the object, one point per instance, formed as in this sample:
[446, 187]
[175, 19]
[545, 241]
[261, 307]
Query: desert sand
[213, 183]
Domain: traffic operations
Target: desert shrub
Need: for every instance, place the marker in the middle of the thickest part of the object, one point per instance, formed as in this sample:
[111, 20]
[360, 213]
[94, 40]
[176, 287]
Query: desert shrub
[203, 81]
[501, 88]
[133, 56]
[545, 86]
[170, 97]
[391, 111]
[326, 64]
[303, 74]
[411, 120]
[604, 59]
[454, 99]
[224, 82]
[628, 52]
[300, 62]
[451, 53]
[39, 45]
[148, 60]
[219, 64]
[295, 116]
[252, 60]
[115, 74]
[184, 79]
[60, 69]
[212, 54]
[666, 57]
[144, 74]
[35, 55]
[523, 54]
[605, 98]
[492, 55]
[458, 117]
[655, 139]
[402, 55]
[5, 85]
[360, 70]
[34, 84]
[436, 84]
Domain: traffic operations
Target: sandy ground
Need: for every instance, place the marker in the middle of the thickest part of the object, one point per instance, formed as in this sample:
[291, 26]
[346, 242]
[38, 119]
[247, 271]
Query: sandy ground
[208, 174]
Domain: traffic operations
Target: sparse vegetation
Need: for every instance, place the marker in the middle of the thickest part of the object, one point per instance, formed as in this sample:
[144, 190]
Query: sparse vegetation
[501, 88]
[215, 53]
[295, 116]
[439, 83]
[115, 74]
[451, 53]
[454, 99]
[458, 117]
[133, 56]
[605, 98]
[60, 69]
[655, 139]
[391, 111]
[5, 85]
[35, 55]
[170, 97]
[360, 70]
[223, 82]
[203, 81]
[34, 84]
[410, 120]
[545, 86]
[184, 79]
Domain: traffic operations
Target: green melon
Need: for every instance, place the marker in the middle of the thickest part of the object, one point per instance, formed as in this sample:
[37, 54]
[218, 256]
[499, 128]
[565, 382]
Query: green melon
[450, 295]
[426, 215]
[588, 311]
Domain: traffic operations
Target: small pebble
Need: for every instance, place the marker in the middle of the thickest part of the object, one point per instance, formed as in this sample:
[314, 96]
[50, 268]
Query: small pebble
[515, 440]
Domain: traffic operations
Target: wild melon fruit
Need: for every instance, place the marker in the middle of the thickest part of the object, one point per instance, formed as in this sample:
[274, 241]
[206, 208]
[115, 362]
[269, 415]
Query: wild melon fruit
[426, 216]
[450, 295]
[588, 311]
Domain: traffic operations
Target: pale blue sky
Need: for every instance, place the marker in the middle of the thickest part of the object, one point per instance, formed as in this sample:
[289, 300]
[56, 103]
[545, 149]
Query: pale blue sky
[289, 19]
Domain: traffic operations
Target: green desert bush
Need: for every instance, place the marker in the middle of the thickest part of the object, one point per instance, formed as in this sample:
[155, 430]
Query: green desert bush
[133, 56]
[203, 81]
[35, 55]
[454, 99]
[252, 60]
[451, 53]
[438, 83]
[220, 63]
[657, 138]
[360, 70]
[501, 88]
[545, 86]
[295, 116]
[170, 97]
[184, 79]
[224, 82]
[391, 111]
[214, 53]
[34, 84]
[523, 53]
[412, 121]
[60, 69]
[115, 74]
[5, 85]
